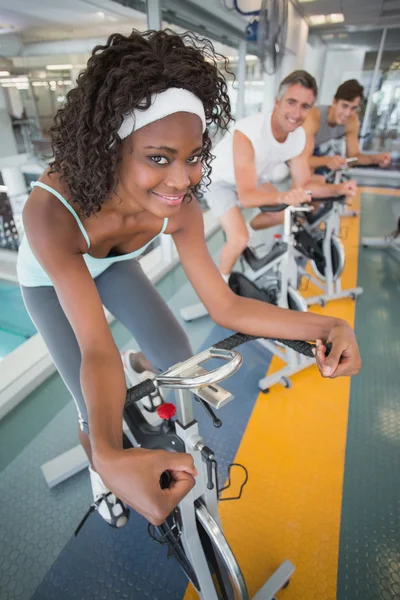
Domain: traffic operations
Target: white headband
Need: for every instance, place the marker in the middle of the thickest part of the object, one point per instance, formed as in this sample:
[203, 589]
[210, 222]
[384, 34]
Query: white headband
[166, 103]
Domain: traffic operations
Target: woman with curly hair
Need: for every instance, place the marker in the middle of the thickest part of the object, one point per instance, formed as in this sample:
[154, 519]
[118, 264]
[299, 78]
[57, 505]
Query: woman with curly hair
[131, 146]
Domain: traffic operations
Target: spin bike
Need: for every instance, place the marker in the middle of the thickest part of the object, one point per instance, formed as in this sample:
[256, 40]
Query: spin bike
[317, 239]
[193, 531]
[338, 177]
[391, 241]
[271, 278]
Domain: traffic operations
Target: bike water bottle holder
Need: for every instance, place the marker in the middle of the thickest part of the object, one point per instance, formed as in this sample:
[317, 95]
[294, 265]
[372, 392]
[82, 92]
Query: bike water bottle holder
[229, 484]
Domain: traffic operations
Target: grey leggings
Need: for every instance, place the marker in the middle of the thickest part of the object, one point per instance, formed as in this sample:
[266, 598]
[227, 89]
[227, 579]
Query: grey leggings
[129, 295]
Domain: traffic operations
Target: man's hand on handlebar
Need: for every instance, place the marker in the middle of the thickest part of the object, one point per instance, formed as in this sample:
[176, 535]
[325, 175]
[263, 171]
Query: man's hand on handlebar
[133, 475]
[383, 160]
[344, 357]
[295, 197]
[335, 163]
[347, 188]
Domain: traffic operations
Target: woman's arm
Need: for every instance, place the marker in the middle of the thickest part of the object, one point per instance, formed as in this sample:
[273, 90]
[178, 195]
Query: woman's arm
[254, 317]
[57, 244]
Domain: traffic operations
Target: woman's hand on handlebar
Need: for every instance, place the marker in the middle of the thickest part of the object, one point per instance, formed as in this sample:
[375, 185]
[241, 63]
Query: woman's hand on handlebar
[344, 357]
[335, 163]
[295, 197]
[347, 188]
[134, 476]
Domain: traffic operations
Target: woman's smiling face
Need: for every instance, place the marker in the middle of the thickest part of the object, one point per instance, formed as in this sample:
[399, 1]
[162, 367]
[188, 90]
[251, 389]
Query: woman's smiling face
[161, 162]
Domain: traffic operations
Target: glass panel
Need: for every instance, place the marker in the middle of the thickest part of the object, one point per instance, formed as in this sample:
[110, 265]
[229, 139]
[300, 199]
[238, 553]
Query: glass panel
[384, 122]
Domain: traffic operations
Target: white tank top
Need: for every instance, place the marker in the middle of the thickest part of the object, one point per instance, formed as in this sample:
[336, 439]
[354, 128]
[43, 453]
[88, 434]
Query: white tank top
[268, 152]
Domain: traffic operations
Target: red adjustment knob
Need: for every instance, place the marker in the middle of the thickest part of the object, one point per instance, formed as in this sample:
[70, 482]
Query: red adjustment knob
[277, 236]
[166, 410]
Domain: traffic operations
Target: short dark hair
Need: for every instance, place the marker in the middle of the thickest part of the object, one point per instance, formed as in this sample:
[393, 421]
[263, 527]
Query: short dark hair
[350, 90]
[300, 77]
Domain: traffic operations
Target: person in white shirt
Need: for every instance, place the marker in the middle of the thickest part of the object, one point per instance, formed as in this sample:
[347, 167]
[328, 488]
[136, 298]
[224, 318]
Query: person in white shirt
[248, 156]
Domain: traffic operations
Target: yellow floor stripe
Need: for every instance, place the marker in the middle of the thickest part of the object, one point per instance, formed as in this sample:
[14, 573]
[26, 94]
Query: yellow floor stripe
[294, 448]
[381, 191]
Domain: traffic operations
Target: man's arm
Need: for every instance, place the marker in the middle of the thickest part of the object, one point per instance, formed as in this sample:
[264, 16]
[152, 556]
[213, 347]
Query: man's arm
[353, 147]
[246, 175]
[311, 126]
[302, 177]
[249, 193]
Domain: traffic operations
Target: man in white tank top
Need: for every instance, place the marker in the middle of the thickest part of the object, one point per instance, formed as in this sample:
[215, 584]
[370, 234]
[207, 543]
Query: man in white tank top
[326, 124]
[247, 159]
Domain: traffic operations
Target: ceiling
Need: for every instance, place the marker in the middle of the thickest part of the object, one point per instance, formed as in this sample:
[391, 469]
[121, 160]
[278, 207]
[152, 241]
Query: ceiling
[45, 20]
[363, 22]
[41, 20]
[357, 13]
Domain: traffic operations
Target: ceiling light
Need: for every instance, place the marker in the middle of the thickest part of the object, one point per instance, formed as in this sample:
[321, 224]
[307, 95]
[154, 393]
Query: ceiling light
[317, 19]
[335, 18]
[59, 67]
[101, 14]
[324, 19]
[15, 80]
[39, 83]
[4, 73]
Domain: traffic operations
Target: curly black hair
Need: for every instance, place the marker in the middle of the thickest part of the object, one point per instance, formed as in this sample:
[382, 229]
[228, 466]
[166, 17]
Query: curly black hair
[121, 76]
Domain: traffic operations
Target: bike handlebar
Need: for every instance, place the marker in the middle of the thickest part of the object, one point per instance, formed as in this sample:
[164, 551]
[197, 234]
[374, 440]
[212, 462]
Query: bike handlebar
[273, 208]
[237, 339]
[341, 198]
[148, 386]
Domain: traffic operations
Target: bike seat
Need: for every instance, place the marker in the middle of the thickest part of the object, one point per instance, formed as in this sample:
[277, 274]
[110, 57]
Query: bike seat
[256, 263]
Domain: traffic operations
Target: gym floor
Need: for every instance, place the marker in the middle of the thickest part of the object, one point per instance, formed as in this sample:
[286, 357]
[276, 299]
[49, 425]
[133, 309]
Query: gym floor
[323, 487]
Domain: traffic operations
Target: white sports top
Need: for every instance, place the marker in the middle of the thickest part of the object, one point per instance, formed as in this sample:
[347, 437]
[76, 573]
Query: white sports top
[30, 272]
[268, 152]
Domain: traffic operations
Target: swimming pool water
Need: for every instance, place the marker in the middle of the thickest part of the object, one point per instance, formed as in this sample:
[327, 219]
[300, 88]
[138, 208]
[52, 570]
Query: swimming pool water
[15, 324]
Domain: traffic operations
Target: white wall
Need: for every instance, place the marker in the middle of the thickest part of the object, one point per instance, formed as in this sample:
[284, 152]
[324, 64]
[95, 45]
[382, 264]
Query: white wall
[314, 61]
[15, 106]
[296, 43]
[340, 65]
